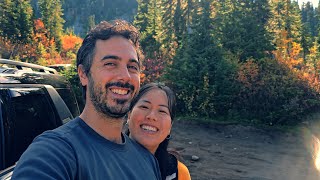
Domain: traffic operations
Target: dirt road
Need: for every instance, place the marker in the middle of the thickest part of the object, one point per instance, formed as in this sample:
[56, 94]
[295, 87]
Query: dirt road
[236, 152]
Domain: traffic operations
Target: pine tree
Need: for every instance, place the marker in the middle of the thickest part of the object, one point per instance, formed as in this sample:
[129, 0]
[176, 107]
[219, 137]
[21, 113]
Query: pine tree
[317, 18]
[286, 27]
[152, 37]
[313, 62]
[140, 20]
[293, 20]
[241, 27]
[308, 15]
[179, 21]
[25, 21]
[8, 27]
[91, 22]
[307, 39]
[51, 15]
[16, 20]
[169, 40]
[194, 68]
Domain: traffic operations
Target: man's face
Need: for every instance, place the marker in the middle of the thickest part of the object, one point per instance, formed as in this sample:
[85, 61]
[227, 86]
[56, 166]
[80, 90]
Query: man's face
[114, 77]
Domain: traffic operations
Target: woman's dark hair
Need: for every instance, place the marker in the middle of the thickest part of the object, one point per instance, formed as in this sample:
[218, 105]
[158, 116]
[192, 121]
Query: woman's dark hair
[150, 86]
[161, 153]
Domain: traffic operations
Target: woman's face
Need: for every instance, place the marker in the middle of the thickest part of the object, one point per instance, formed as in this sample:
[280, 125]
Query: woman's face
[150, 120]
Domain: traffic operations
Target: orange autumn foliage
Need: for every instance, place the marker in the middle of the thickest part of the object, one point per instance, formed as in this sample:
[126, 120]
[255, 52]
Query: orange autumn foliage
[38, 25]
[311, 69]
[45, 52]
[248, 74]
[41, 33]
[142, 77]
[288, 51]
[70, 42]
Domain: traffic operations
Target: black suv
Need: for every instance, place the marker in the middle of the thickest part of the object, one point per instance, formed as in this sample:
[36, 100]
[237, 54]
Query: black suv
[33, 99]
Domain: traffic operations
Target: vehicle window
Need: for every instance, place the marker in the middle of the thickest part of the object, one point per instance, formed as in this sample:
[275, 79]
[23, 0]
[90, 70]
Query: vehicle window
[70, 100]
[30, 113]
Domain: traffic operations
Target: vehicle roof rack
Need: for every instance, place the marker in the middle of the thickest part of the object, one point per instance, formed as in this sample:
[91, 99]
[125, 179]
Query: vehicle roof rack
[19, 65]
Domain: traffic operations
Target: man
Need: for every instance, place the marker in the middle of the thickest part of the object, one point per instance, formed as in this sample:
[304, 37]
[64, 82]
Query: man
[92, 146]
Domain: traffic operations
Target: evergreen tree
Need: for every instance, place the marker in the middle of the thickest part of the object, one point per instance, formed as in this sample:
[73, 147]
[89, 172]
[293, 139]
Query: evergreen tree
[285, 24]
[140, 20]
[16, 20]
[317, 17]
[194, 68]
[179, 21]
[169, 39]
[152, 36]
[25, 21]
[312, 62]
[51, 15]
[241, 27]
[285, 16]
[91, 22]
[307, 17]
[308, 14]
[293, 20]
[8, 27]
[306, 40]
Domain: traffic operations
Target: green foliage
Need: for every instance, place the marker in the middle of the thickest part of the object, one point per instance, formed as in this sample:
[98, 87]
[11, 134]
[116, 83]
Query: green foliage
[16, 21]
[306, 40]
[309, 17]
[51, 15]
[274, 95]
[309, 29]
[285, 16]
[215, 54]
[179, 20]
[140, 20]
[240, 26]
[91, 22]
[194, 68]
[293, 22]
[151, 37]
[227, 86]
[233, 82]
[72, 76]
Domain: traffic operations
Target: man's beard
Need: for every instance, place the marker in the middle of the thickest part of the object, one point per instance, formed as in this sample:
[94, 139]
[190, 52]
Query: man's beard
[100, 101]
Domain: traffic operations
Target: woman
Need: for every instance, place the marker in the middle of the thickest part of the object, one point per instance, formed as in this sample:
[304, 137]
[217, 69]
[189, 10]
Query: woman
[149, 123]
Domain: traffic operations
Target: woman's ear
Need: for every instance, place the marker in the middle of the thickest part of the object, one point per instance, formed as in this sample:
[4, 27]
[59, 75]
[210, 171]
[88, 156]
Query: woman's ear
[82, 75]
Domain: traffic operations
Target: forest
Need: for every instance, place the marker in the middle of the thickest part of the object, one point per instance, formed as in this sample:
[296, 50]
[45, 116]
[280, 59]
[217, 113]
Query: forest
[246, 61]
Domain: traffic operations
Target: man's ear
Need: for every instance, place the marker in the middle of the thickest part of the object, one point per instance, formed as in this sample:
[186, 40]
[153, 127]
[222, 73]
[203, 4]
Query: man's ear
[82, 75]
